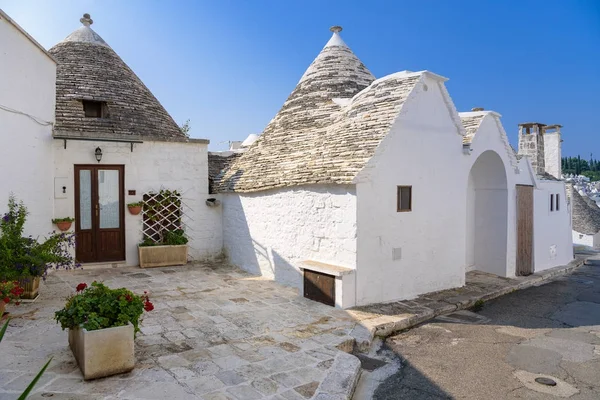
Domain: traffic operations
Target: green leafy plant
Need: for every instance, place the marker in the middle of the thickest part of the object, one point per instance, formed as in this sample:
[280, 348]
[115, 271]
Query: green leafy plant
[176, 237]
[25, 257]
[99, 307]
[136, 204]
[65, 219]
[148, 242]
[35, 380]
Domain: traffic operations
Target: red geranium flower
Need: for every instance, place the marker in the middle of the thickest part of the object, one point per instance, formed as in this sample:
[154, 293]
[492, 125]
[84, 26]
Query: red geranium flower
[81, 287]
[6, 300]
[148, 306]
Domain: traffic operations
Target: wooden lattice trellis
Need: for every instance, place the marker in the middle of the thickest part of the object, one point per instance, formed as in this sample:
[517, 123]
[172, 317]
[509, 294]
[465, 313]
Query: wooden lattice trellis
[163, 211]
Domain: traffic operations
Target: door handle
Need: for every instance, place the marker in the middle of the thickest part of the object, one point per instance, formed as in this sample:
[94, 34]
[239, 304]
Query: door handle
[96, 210]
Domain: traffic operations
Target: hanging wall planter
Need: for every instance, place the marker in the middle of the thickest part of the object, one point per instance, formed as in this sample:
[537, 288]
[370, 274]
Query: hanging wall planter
[135, 208]
[63, 224]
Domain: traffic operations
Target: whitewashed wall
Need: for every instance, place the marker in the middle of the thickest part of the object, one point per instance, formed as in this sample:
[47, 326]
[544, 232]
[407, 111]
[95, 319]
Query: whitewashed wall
[270, 232]
[552, 238]
[586, 240]
[27, 84]
[421, 150]
[553, 154]
[496, 208]
[151, 165]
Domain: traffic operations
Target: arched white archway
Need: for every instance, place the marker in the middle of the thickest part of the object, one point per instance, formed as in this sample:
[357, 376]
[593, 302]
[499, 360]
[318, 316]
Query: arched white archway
[487, 215]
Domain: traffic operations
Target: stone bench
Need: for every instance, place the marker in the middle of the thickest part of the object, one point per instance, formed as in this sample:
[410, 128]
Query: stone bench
[329, 284]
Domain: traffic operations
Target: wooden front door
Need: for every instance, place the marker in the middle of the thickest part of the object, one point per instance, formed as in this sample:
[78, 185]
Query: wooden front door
[524, 230]
[99, 213]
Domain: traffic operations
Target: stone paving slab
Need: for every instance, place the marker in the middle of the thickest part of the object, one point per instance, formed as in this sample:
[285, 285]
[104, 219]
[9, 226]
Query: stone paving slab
[216, 333]
[388, 318]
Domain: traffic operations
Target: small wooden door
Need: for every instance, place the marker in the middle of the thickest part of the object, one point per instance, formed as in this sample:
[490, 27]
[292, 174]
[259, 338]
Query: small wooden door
[524, 230]
[319, 287]
[99, 213]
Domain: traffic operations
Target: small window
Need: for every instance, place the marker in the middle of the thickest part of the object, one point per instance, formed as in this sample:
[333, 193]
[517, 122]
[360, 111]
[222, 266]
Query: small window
[404, 198]
[95, 109]
[557, 203]
[551, 202]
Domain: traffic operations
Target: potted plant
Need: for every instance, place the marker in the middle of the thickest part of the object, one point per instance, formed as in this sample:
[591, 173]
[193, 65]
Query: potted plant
[171, 250]
[25, 259]
[9, 290]
[64, 224]
[135, 208]
[102, 324]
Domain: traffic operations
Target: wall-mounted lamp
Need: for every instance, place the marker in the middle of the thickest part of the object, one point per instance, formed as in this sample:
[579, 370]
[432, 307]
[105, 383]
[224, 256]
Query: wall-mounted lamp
[98, 154]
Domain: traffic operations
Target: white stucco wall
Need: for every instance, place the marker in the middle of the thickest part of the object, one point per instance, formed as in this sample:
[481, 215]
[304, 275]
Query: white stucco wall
[27, 84]
[586, 240]
[270, 232]
[552, 238]
[497, 203]
[151, 166]
[553, 154]
[403, 254]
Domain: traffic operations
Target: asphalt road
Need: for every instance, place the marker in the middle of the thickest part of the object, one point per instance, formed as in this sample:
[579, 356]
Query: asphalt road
[552, 331]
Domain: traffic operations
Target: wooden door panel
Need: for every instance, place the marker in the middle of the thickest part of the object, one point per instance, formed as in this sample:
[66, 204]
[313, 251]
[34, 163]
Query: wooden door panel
[109, 245]
[319, 287]
[524, 230]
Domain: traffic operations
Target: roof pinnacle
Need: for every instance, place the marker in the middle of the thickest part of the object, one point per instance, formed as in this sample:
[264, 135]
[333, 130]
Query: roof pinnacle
[336, 29]
[86, 20]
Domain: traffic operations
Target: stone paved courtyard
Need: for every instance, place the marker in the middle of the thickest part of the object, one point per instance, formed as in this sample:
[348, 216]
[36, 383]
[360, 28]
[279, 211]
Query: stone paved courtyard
[216, 333]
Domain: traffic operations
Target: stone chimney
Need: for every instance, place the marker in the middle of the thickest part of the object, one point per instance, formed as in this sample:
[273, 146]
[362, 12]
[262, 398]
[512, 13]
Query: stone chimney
[552, 150]
[531, 144]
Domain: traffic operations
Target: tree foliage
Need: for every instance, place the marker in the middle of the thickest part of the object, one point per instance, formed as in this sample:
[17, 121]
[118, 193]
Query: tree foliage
[581, 166]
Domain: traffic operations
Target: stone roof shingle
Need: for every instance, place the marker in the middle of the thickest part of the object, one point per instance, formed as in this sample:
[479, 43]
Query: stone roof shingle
[471, 122]
[586, 218]
[328, 128]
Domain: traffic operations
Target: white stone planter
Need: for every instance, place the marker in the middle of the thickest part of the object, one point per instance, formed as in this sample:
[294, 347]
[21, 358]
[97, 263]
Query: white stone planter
[162, 256]
[103, 352]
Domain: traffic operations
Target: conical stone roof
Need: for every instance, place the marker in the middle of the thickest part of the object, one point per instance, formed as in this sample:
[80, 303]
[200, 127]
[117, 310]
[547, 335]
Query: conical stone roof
[327, 129]
[88, 69]
[586, 217]
[336, 73]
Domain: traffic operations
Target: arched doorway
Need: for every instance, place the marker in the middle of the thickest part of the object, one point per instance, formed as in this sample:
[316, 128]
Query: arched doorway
[487, 215]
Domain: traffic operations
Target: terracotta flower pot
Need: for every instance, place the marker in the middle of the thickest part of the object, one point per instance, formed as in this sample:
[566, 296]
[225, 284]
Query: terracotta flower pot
[64, 225]
[2, 308]
[135, 210]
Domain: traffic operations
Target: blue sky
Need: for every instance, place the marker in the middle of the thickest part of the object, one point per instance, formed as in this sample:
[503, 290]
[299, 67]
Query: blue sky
[228, 66]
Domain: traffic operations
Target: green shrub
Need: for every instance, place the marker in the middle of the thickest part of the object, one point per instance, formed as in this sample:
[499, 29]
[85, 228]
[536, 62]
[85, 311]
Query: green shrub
[23, 256]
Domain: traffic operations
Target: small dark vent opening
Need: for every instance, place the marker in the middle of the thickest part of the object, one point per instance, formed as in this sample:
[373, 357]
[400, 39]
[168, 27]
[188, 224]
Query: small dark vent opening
[95, 109]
